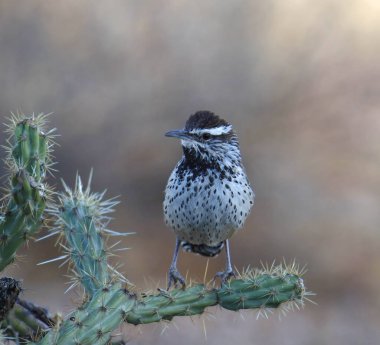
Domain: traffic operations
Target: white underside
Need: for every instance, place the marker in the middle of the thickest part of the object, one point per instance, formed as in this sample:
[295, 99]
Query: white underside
[207, 219]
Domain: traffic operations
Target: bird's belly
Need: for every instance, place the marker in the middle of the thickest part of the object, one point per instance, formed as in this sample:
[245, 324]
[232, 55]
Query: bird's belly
[204, 214]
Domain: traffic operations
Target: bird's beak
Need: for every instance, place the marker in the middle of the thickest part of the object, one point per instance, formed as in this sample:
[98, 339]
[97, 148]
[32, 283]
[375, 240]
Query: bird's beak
[178, 133]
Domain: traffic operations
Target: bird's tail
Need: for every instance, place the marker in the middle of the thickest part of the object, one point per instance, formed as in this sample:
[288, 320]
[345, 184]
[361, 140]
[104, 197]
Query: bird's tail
[202, 249]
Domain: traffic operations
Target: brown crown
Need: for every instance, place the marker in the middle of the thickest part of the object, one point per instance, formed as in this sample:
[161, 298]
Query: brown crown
[204, 119]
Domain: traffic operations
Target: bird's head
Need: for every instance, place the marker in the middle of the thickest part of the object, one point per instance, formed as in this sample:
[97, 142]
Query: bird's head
[207, 137]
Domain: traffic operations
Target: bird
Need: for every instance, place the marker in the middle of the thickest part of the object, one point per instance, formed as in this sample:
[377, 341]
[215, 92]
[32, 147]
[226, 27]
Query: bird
[208, 195]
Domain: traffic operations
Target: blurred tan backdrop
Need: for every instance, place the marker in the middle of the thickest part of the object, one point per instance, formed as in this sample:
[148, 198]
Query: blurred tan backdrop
[299, 80]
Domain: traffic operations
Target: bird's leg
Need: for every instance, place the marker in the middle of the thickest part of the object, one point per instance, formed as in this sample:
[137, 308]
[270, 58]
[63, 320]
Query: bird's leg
[174, 276]
[229, 272]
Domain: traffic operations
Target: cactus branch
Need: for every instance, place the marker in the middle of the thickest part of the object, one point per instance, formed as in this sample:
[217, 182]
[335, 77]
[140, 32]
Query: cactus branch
[109, 307]
[262, 291]
[82, 219]
[93, 322]
[29, 158]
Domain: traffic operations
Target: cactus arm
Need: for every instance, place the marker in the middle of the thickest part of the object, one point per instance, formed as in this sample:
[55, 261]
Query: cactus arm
[94, 322]
[238, 294]
[86, 248]
[10, 236]
[28, 159]
[81, 218]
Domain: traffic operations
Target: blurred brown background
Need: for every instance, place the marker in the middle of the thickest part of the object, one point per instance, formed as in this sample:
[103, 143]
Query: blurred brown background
[299, 80]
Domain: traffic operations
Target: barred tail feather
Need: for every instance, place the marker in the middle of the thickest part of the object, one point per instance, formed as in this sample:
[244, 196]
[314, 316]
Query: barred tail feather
[202, 249]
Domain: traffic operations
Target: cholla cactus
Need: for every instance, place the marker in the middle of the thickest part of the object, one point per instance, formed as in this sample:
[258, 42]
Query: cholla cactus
[81, 223]
[28, 159]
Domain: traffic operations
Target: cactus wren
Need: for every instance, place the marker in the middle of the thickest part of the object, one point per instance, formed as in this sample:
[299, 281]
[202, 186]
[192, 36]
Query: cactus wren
[208, 196]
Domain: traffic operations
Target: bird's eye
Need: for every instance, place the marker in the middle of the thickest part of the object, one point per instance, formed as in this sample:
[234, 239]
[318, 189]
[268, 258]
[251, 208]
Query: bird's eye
[206, 136]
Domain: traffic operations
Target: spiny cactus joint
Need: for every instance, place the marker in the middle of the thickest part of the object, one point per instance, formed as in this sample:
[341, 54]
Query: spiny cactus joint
[28, 160]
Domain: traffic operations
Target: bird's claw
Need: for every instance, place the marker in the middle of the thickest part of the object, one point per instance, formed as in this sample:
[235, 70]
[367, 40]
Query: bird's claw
[175, 277]
[225, 276]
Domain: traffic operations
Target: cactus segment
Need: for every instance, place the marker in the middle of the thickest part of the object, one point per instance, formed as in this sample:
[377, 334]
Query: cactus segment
[28, 160]
[267, 291]
[95, 320]
[82, 217]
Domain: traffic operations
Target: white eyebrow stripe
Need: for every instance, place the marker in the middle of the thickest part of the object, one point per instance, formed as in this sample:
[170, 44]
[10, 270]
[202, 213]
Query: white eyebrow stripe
[213, 131]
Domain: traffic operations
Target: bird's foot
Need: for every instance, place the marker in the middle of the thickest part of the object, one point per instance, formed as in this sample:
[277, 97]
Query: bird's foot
[225, 276]
[175, 277]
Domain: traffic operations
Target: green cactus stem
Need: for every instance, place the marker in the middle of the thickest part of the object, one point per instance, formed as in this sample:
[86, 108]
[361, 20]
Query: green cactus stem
[262, 291]
[82, 217]
[28, 160]
[94, 321]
